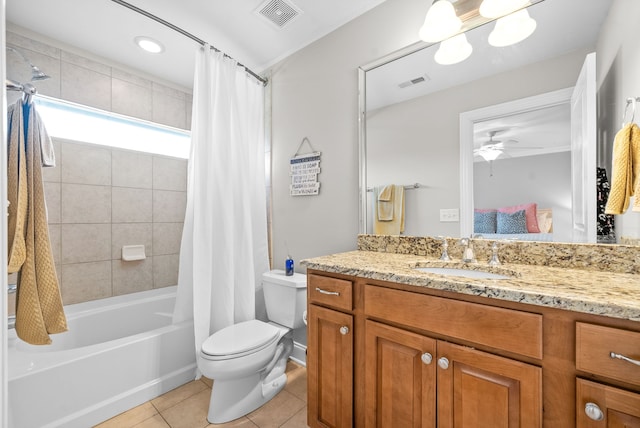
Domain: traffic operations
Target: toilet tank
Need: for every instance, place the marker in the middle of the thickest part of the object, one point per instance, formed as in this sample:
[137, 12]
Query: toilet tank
[285, 297]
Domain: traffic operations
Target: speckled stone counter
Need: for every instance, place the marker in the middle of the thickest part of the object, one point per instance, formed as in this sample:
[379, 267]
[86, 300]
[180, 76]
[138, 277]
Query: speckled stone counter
[595, 257]
[582, 290]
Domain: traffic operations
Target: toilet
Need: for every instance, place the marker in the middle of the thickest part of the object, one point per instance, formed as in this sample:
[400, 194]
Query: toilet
[247, 361]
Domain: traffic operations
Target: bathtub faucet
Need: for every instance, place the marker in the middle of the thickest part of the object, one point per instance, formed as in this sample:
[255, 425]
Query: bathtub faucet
[12, 322]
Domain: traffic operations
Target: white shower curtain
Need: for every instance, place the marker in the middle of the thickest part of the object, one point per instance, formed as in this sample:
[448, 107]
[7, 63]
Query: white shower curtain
[224, 241]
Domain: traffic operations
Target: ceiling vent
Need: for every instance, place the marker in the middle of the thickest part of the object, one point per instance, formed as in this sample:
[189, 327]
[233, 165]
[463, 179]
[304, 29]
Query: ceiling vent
[278, 12]
[415, 81]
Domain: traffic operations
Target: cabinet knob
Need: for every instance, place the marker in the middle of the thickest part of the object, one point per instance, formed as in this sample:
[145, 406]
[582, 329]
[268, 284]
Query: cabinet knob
[593, 412]
[426, 358]
[344, 330]
[443, 363]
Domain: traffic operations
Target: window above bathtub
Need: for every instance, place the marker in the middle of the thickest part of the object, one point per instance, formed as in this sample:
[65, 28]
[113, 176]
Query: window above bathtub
[76, 122]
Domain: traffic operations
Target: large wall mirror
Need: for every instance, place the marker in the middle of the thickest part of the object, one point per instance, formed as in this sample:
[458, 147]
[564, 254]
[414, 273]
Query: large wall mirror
[424, 125]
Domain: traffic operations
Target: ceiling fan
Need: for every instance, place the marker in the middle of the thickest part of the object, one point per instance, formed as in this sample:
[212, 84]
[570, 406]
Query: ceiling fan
[492, 149]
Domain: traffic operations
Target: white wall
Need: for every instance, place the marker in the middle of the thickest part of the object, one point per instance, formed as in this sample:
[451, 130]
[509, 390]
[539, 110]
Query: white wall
[315, 94]
[618, 75]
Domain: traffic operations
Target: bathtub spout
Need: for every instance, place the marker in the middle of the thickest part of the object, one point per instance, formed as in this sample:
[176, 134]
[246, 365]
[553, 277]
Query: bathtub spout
[12, 322]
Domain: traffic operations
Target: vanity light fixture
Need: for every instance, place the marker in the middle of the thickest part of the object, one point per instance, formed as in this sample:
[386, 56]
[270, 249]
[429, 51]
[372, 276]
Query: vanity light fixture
[512, 29]
[440, 23]
[453, 50]
[148, 44]
[496, 8]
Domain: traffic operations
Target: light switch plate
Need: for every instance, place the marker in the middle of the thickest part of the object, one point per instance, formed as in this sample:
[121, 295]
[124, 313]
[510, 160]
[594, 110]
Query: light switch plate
[449, 214]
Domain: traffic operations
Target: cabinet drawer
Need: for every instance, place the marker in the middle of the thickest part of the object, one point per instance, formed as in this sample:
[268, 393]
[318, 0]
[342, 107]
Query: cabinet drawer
[330, 291]
[594, 346]
[506, 329]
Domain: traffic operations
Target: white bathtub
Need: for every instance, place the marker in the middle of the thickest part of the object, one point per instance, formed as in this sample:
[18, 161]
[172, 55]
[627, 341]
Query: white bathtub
[118, 353]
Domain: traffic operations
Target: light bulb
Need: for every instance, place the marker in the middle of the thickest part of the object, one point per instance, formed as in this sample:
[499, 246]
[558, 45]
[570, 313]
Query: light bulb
[512, 29]
[440, 22]
[453, 50]
[148, 44]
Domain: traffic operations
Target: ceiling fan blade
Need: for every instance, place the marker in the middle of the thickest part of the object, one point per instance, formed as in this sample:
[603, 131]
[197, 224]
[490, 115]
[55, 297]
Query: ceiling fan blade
[523, 148]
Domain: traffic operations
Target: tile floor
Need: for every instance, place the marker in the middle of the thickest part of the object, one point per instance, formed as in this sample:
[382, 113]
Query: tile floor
[186, 407]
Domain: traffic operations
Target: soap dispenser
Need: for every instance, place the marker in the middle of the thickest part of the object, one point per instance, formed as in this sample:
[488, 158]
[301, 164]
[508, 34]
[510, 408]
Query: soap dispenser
[288, 266]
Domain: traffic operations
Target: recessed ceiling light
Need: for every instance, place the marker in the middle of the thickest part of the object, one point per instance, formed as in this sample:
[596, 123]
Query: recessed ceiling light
[149, 45]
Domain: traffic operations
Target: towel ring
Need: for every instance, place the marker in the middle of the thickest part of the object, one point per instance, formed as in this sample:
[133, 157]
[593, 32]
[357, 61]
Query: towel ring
[630, 101]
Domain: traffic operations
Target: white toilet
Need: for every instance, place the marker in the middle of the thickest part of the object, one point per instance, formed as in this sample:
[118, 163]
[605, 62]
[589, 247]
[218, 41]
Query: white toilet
[247, 361]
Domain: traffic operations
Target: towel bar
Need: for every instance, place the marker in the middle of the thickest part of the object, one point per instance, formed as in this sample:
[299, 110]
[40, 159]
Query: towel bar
[407, 187]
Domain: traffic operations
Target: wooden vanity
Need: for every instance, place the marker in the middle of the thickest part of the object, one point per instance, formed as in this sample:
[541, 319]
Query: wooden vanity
[388, 347]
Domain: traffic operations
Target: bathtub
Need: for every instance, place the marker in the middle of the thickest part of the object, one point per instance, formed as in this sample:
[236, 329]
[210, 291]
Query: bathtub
[119, 352]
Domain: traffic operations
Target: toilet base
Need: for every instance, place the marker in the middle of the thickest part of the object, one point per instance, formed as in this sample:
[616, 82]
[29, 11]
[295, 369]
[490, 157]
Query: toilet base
[234, 398]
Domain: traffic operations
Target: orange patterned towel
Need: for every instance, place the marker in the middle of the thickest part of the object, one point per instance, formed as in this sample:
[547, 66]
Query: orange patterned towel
[626, 169]
[39, 309]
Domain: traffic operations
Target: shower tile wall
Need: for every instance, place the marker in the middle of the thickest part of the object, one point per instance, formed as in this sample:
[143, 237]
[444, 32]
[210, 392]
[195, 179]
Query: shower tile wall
[84, 79]
[99, 199]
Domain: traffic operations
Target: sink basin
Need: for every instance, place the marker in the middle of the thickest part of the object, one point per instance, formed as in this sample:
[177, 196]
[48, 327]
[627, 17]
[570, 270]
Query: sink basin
[467, 273]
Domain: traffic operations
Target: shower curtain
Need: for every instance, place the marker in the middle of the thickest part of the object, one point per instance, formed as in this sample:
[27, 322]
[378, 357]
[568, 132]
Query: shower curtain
[224, 249]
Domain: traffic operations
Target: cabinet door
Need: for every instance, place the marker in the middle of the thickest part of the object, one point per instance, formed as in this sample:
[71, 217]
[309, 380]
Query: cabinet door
[400, 378]
[614, 408]
[330, 368]
[477, 390]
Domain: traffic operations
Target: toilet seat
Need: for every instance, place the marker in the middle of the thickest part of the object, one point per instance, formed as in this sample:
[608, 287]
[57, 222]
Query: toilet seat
[240, 339]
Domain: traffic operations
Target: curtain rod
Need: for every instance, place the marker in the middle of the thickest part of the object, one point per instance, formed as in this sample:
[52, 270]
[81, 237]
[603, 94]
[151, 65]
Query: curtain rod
[184, 33]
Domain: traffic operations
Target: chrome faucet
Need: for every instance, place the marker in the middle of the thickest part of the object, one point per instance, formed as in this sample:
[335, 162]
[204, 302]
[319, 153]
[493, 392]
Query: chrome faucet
[494, 261]
[445, 255]
[468, 255]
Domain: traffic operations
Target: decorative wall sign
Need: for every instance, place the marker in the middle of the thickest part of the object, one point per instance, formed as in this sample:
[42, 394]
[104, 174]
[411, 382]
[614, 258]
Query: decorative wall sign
[304, 170]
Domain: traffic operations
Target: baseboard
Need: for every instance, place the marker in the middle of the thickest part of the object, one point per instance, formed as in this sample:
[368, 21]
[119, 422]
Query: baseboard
[299, 354]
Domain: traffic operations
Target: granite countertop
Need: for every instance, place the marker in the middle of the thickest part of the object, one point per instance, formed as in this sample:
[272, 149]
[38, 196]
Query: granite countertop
[600, 293]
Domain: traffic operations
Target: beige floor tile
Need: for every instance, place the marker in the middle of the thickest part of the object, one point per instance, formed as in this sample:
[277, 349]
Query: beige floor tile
[131, 417]
[238, 423]
[207, 381]
[277, 411]
[189, 413]
[175, 396]
[299, 420]
[154, 422]
[297, 381]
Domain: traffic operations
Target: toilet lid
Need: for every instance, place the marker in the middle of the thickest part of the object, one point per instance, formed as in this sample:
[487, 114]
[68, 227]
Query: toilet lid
[242, 338]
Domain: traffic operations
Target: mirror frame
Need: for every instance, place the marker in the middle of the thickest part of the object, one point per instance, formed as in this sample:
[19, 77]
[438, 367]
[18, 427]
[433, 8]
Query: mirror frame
[470, 118]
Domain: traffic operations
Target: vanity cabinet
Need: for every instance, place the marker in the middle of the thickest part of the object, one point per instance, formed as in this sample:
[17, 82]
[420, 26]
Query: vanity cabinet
[413, 356]
[329, 352]
[600, 406]
[414, 380]
[609, 354]
[400, 377]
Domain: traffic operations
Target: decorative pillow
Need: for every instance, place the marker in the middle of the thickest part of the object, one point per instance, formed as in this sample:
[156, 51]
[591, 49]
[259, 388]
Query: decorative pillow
[485, 210]
[544, 220]
[530, 214]
[484, 222]
[511, 222]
